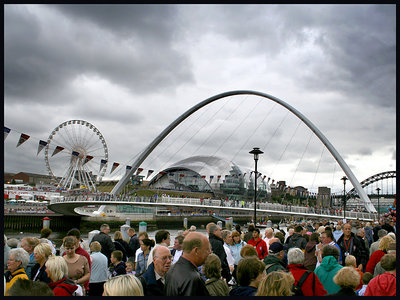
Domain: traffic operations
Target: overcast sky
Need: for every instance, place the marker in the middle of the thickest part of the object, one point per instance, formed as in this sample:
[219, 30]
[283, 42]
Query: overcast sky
[130, 70]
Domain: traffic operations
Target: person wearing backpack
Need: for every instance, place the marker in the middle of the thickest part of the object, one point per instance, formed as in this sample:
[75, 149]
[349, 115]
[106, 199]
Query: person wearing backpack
[306, 282]
[274, 260]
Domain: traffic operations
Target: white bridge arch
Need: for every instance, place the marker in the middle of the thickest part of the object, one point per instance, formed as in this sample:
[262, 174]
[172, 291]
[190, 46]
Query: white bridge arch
[356, 184]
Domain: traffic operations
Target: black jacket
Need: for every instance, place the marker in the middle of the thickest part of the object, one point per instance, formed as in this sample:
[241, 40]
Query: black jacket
[133, 245]
[107, 246]
[183, 279]
[217, 247]
[123, 247]
[298, 241]
[356, 248]
[42, 273]
[151, 286]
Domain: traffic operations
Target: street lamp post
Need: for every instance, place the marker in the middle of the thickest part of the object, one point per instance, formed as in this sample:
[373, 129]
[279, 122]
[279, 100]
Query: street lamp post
[378, 189]
[255, 152]
[344, 178]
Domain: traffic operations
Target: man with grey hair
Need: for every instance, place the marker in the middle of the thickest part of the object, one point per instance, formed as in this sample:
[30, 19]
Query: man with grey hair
[227, 237]
[217, 246]
[107, 245]
[17, 262]
[268, 235]
[310, 284]
[375, 245]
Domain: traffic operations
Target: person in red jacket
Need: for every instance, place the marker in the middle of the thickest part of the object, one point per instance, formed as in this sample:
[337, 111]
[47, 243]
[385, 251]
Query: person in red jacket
[384, 284]
[311, 286]
[259, 244]
[57, 270]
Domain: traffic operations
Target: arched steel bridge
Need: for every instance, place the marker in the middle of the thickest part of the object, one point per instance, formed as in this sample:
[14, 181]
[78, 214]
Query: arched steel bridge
[68, 205]
[372, 179]
[361, 193]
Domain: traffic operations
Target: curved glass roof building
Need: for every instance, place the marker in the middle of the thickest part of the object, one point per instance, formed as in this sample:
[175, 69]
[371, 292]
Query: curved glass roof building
[214, 175]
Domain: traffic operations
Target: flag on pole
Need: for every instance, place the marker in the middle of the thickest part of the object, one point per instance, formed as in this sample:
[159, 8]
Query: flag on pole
[139, 170]
[58, 149]
[88, 158]
[102, 164]
[6, 132]
[218, 178]
[203, 176]
[42, 144]
[114, 166]
[149, 172]
[211, 178]
[268, 179]
[74, 153]
[23, 138]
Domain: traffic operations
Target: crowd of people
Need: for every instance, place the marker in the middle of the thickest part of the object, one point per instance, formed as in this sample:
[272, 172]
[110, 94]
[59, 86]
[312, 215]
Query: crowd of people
[308, 259]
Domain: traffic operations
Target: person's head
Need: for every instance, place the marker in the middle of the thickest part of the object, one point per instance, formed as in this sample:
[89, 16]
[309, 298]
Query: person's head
[366, 278]
[56, 268]
[208, 226]
[129, 266]
[329, 250]
[361, 232]
[143, 235]
[248, 250]
[251, 228]
[162, 260]
[215, 230]
[42, 253]
[291, 231]
[384, 243]
[269, 233]
[116, 256]
[70, 245]
[117, 235]
[29, 243]
[350, 261]
[227, 236]
[326, 237]
[276, 249]
[95, 246]
[45, 232]
[280, 236]
[347, 230]
[74, 232]
[273, 240]
[392, 235]
[314, 237]
[178, 244]
[105, 228]
[250, 271]
[163, 236]
[392, 248]
[196, 248]
[298, 229]
[212, 266]
[131, 231]
[18, 258]
[256, 233]
[12, 243]
[237, 227]
[347, 277]
[236, 237]
[276, 283]
[382, 233]
[388, 262]
[146, 245]
[338, 227]
[23, 287]
[123, 285]
[295, 256]
[192, 228]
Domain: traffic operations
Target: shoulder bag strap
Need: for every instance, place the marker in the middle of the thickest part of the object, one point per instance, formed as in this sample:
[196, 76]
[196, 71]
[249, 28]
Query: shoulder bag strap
[303, 278]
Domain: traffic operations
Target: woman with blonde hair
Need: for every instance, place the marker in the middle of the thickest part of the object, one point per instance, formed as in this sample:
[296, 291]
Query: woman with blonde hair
[276, 283]
[123, 285]
[121, 245]
[57, 271]
[378, 254]
[41, 253]
[348, 279]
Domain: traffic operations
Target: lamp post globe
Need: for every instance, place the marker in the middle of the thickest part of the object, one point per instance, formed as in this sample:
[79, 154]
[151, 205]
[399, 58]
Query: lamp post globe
[256, 152]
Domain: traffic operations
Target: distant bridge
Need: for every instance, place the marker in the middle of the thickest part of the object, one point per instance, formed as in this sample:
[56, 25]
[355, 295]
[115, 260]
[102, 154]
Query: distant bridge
[67, 207]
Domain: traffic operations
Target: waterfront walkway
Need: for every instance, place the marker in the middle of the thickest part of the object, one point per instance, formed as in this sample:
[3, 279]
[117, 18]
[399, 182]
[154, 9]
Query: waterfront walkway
[68, 204]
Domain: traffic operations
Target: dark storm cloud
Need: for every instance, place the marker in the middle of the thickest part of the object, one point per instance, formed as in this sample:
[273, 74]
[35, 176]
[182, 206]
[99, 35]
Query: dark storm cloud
[134, 49]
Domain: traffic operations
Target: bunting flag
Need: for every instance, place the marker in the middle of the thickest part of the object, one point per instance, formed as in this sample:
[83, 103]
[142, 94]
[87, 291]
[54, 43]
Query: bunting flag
[128, 168]
[171, 174]
[74, 153]
[139, 170]
[268, 179]
[114, 166]
[211, 178]
[57, 150]
[181, 175]
[203, 176]
[102, 163]
[264, 177]
[42, 144]
[218, 178]
[273, 181]
[6, 132]
[23, 138]
[149, 172]
[88, 158]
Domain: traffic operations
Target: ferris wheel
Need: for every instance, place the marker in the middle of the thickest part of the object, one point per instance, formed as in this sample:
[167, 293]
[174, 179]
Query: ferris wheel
[76, 155]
